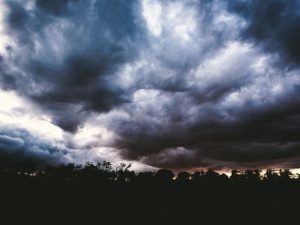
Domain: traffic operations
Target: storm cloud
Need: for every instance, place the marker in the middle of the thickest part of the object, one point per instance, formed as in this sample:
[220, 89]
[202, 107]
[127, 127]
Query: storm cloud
[273, 24]
[25, 147]
[169, 84]
[66, 52]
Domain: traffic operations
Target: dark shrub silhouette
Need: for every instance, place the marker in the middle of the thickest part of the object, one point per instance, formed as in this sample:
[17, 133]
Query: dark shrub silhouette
[123, 174]
[146, 177]
[183, 176]
[198, 176]
[164, 176]
[271, 175]
[24, 167]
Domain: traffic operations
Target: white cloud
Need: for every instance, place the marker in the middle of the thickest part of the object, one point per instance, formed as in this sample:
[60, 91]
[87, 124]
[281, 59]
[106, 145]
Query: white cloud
[232, 61]
[21, 113]
[152, 11]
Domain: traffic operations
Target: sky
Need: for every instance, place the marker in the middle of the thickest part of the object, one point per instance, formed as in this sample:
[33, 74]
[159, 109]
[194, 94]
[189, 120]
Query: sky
[182, 85]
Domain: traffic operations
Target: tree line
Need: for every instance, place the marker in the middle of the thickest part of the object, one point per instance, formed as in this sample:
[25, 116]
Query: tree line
[104, 172]
[99, 192]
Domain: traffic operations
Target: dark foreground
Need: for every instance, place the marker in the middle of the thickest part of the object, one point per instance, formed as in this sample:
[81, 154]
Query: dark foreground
[99, 194]
[46, 201]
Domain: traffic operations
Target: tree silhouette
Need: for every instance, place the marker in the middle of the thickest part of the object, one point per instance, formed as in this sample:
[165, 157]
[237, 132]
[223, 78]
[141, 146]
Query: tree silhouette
[164, 176]
[223, 178]
[253, 176]
[245, 176]
[123, 173]
[271, 175]
[146, 177]
[198, 176]
[183, 176]
[211, 176]
[245, 197]
[285, 175]
[105, 171]
[89, 171]
[24, 167]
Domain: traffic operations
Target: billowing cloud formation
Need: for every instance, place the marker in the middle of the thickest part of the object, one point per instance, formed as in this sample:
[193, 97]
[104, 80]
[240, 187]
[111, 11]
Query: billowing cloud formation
[174, 84]
[66, 53]
[273, 24]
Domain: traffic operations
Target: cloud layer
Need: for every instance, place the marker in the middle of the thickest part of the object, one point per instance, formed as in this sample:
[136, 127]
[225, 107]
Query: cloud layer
[168, 84]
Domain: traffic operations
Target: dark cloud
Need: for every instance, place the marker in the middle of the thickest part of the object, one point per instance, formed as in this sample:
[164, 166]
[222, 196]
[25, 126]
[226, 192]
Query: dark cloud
[67, 53]
[17, 145]
[179, 84]
[18, 17]
[211, 134]
[274, 24]
[55, 7]
[229, 155]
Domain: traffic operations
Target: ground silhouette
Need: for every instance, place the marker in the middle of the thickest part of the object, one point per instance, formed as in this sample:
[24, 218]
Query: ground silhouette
[98, 193]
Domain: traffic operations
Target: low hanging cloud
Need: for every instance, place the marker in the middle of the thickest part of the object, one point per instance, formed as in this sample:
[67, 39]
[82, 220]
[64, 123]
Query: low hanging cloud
[170, 84]
[25, 147]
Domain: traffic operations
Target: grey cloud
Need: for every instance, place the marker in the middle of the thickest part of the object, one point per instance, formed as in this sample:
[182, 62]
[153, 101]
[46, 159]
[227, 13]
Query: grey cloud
[215, 134]
[10, 144]
[68, 51]
[228, 155]
[273, 24]
[20, 145]
[223, 96]
[55, 7]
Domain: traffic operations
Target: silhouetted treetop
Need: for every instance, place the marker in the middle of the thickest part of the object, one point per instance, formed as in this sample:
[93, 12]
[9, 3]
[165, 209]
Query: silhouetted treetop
[183, 176]
[164, 175]
[102, 172]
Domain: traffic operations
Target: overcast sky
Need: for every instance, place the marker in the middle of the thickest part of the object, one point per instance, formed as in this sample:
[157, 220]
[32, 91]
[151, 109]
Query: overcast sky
[182, 85]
